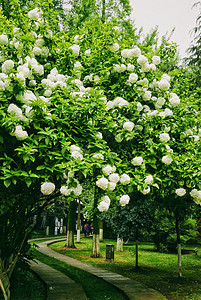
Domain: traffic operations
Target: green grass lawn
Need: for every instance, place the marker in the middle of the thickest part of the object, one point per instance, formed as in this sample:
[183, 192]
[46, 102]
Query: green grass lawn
[157, 270]
[26, 286]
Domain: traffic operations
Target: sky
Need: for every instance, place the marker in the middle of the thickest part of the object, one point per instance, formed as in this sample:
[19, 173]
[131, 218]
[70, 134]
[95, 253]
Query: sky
[167, 14]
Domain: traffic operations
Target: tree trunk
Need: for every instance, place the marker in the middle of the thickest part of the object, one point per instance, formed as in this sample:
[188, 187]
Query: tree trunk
[120, 242]
[103, 11]
[136, 250]
[96, 241]
[78, 223]
[178, 248]
[101, 231]
[4, 282]
[70, 226]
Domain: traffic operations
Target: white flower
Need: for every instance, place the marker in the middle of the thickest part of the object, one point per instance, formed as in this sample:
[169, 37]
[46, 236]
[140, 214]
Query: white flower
[167, 77]
[106, 199]
[12, 108]
[167, 159]
[130, 67]
[87, 52]
[7, 66]
[139, 106]
[99, 135]
[103, 206]
[114, 47]
[174, 99]
[47, 188]
[78, 190]
[20, 134]
[145, 67]
[78, 66]
[3, 39]
[128, 126]
[168, 112]
[152, 67]
[163, 85]
[142, 60]
[37, 69]
[64, 190]
[156, 60]
[75, 148]
[98, 156]
[75, 49]
[137, 161]
[149, 179]
[77, 155]
[133, 78]
[160, 102]
[124, 200]
[147, 95]
[107, 170]
[37, 51]
[125, 179]
[109, 105]
[136, 52]
[114, 177]
[168, 148]
[180, 192]
[146, 191]
[120, 102]
[27, 97]
[102, 183]
[196, 195]
[24, 70]
[111, 186]
[164, 137]
[34, 14]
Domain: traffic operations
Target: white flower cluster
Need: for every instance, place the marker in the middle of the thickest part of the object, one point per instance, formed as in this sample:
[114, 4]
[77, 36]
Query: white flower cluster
[7, 66]
[47, 188]
[117, 102]
[104, 204]
[3, 39]
[119, 68]
[166, 159]
[114, 47]
[164, 137]
[180, 192]
[34, 14]
[174, 99]
[66, 191]
[196, 195]
[54, 80]
[125, 179]
[98, 156]
[131, 53]
[76, 152]
[19, 133]
[75, 49]
[102, 183]
[124, 200]
[137, 161]
[128, 126]
[107, 170]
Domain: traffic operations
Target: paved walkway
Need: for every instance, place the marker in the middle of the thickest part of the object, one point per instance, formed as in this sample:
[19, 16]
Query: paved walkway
[133, 289]
[59, 286]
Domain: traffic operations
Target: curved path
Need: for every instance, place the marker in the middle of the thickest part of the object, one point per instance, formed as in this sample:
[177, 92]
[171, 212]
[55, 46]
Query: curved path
[133, 289]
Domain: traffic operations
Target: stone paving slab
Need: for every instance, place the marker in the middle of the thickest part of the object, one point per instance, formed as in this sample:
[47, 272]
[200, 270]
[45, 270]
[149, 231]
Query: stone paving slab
[133, 289]
[59, 286]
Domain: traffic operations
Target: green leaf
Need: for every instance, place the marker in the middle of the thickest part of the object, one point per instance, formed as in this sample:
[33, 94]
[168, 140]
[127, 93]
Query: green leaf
[41, 167]
[28, 181]
[7, 182]
[1, 139]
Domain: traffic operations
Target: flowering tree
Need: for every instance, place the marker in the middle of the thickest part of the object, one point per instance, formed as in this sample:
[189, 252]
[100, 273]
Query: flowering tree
[145, 123]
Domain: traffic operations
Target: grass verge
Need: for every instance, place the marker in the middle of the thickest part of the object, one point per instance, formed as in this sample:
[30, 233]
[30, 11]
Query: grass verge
[25, 285]
[157, 270]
